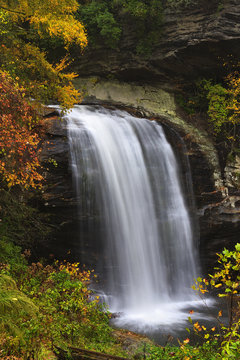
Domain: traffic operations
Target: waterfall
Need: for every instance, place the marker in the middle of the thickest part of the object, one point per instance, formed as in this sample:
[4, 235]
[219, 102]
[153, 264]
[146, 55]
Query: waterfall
[125, 167]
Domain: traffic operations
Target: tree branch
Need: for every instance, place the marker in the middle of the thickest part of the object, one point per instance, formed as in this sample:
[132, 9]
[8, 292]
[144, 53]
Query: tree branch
[13, 11]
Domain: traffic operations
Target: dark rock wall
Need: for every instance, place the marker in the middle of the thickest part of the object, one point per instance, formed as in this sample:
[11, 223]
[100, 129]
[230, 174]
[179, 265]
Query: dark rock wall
[75, 236]
[192, 43]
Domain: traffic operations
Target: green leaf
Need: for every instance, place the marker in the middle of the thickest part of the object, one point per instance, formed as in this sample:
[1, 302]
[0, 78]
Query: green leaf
[226, 252]
[237, 247]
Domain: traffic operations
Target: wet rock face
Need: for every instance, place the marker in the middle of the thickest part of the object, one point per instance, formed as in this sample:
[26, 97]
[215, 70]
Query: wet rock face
[220, 228]
[58, 198]
[60, 203]
[54, 156]
[217, 208]
[192, 42]
[232, 172]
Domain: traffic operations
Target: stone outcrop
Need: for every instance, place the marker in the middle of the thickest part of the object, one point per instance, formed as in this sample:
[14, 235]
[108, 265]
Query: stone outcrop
[193, 42]
[232, 172]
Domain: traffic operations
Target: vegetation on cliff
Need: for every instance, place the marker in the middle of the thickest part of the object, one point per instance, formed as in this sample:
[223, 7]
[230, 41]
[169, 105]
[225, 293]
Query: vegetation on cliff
[217, 100]
[106, 20]
[109, 21]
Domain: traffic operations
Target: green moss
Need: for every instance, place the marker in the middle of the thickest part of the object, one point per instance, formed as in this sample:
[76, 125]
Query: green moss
[14, 307]
[7, 283]
[14, 303]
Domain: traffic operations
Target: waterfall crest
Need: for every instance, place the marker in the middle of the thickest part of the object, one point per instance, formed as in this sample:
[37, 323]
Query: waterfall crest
[127, 167]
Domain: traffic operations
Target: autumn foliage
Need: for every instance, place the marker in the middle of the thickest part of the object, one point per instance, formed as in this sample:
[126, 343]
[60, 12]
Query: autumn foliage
[19, 164]
[35, 38]
[55, 17]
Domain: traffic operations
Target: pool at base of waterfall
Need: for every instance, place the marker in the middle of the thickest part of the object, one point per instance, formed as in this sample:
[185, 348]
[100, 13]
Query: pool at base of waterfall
[169, 321]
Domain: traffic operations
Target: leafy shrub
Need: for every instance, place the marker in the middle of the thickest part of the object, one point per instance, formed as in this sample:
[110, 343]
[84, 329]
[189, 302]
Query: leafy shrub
[147, 18]
[184, 351]
[106, 20]
[218, 111]
[98, 19]
[226, 280]
[220, 102]
[11, 261]
[47, 306]
[224, 109]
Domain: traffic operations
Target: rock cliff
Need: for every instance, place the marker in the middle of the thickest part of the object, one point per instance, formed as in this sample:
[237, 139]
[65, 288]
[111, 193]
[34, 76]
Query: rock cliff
[194, 43]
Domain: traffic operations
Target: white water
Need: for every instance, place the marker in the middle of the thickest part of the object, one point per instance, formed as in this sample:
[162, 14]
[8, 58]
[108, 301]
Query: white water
[127, 167]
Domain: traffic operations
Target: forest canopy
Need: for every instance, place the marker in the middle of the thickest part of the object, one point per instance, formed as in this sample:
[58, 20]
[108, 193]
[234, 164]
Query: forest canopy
[105, 21]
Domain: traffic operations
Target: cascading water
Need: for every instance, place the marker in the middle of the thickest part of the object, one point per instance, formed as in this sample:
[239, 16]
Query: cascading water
[126, 167]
